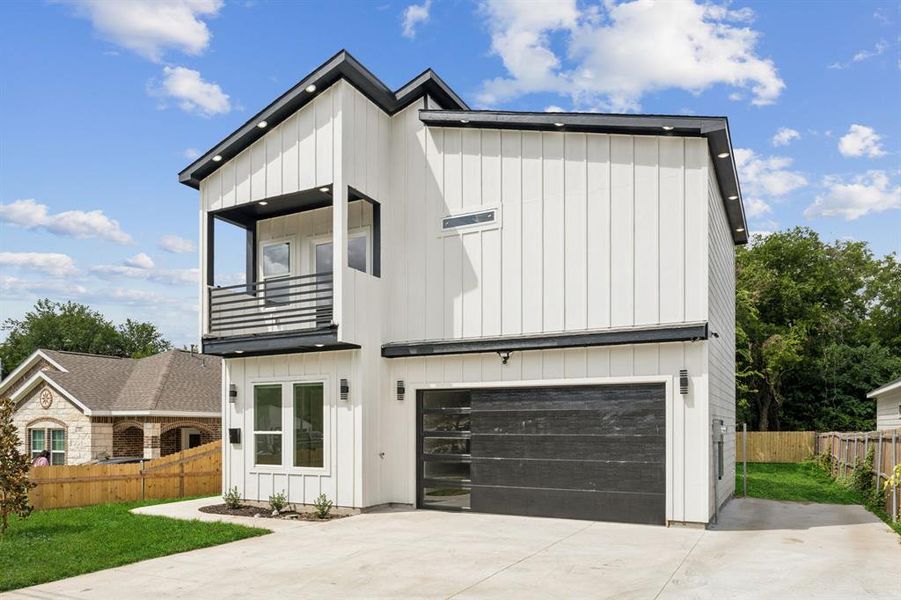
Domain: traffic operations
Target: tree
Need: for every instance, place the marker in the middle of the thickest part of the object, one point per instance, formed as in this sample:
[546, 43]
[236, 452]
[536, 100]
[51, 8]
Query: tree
[14, 466]
[76, 328]
[817, 326]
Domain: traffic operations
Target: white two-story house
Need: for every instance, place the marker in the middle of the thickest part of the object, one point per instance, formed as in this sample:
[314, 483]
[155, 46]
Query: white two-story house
[522, 313]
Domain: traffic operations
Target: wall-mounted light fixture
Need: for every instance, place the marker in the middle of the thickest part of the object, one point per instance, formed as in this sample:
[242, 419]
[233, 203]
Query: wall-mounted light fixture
[344, 389]
[234, 435]
[505, 356]
[232, 393]
[401, 389]
[683, 382]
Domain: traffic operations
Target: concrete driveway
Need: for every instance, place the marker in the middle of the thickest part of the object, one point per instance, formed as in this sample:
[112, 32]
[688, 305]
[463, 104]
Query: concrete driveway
[761, 549]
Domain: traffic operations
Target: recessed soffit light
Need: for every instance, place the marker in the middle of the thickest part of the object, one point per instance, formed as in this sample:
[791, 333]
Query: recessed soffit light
[324, 190]
[558, 124]
[311, 88]
[262, 124]
[464, 121]
[668, 128]
[319, 345]
[740, 229]
[723, 155]
[733, 197]
[263, 203]
[217, 158]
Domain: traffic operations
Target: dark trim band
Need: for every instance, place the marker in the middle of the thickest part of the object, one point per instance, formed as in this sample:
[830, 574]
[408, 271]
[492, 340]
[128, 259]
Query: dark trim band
[290, 342]
[676, 333]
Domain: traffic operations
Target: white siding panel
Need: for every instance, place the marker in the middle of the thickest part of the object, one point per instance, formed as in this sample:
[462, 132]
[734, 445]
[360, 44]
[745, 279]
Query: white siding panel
[511, 232]
[672, 230]
[553, 232]
[622, 238]
[647, 264]
[888, 410]
[598, 240]
[290, 150]
[575, 237]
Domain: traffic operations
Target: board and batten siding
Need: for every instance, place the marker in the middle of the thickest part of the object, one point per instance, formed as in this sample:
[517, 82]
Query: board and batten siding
[721, 350]
[888, 410]
[688, 428]
[596, 231]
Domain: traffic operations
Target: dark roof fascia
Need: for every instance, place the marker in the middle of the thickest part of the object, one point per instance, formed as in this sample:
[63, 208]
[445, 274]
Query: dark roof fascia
[676, 333]
[715, 129]
[288, 342]
[341, 66]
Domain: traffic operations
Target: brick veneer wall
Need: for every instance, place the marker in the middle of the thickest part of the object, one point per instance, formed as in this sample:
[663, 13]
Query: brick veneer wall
[128, 441]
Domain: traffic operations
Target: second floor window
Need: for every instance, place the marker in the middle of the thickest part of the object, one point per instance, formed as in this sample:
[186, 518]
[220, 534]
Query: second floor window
[276, 267]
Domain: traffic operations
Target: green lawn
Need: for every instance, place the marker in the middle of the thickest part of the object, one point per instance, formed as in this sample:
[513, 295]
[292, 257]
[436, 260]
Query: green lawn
[803, 482]
[55, 544]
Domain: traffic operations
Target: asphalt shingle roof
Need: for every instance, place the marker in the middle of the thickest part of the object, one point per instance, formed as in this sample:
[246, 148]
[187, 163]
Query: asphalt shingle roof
[172, 381]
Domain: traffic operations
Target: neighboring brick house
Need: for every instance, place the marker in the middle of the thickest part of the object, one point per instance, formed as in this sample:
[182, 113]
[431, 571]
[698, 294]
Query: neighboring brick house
[87, 407]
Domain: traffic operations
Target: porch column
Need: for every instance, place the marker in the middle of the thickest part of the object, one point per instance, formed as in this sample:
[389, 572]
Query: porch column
[151, 440]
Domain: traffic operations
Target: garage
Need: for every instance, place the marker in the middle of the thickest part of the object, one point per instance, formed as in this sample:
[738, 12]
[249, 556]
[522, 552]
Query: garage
[593, 452]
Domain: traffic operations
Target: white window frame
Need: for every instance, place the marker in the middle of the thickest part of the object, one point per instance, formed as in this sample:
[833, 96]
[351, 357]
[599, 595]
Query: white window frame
[495, 224]
[291, 240]
[255, 432]
[48, 443]
[328, 407]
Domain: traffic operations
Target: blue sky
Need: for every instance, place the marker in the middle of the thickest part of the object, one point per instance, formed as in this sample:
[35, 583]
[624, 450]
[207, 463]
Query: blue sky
[103, 103]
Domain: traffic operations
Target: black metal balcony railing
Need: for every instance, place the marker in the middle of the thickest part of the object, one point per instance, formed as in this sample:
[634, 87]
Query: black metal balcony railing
[274, 305]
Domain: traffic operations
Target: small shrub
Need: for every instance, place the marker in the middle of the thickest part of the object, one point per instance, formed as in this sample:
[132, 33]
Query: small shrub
[861, 478]
[232, 498]
[323, 506]
[894, 478]
[824, 461]
[278, 502]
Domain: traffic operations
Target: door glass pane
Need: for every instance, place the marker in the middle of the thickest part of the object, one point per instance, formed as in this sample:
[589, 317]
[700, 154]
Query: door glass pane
[276, 260]
[324, 258]
[449, 422]
[446, 497]
[433, 445]
[356, 252]
[453, 471]
[267, 407]
[308, 425]
[445, 399]
[268, 448]
[58, 440]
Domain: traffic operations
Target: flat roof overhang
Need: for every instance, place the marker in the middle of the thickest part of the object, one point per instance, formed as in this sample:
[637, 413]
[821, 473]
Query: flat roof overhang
[688, 332]
[341, 66]
[714, 129]
[247, 214]
[318, 340]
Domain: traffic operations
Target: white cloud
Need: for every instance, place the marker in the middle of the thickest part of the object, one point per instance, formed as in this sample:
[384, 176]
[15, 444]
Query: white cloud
[784, 136]
[766, 175]
[191, 153]
[871, 192]
[616, 53]
[163, 276]
[861, 140]
[140, 261]
[150, 27]
[30, 214]
[414, 15]
[191, 92]
[176, 244]
[46, 262]
[861, 56]
[755, 207]
[15, 285]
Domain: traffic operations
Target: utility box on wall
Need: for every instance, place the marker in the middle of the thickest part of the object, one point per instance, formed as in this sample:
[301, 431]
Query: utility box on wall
[234, 435]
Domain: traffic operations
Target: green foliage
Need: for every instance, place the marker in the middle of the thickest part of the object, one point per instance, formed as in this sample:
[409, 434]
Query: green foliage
[232, 498]
[76, 328]
[817, 326]
[55, 544]
[322, 506]
[861, 477]
[824, 461]
[278, 501]
[14, 482]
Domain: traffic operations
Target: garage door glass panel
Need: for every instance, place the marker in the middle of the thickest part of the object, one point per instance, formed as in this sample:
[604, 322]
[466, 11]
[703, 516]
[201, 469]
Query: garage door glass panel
[308, 425]
[446, 497]
[436, 445]
[446, 422]
[446, 400]
[446, 471]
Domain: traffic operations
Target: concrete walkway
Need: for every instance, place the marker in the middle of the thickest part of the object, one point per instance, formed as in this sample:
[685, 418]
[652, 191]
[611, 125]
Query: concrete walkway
[760, 549]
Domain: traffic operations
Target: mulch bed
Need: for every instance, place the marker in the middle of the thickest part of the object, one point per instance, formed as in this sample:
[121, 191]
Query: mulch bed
[265, 513]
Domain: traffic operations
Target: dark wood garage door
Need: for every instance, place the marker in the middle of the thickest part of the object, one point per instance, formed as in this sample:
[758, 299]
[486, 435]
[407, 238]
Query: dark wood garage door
[582, 452]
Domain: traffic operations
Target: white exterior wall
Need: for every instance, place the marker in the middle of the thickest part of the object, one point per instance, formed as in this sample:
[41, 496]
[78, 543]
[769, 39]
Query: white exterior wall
[597, 231]
[888, 410]
[721, 353]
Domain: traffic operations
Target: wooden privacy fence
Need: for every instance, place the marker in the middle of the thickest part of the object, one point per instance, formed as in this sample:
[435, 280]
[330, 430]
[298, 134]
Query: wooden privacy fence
[194, 472]
[847, 448]
[775, 446]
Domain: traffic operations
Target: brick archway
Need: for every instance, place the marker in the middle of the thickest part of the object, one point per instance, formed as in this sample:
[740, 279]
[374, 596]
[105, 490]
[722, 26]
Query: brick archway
[128, 439]
[194, 424]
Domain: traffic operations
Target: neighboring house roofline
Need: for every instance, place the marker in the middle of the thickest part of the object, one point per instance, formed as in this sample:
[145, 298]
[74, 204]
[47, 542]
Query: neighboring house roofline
[43, 376]
[714, 129]
[888, 387]
[341, 66]
[27, 364]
